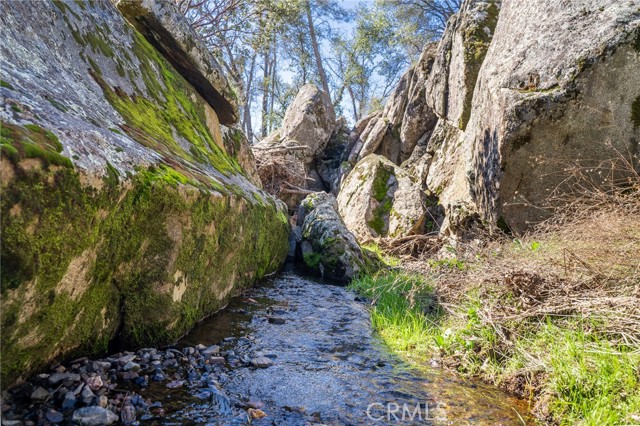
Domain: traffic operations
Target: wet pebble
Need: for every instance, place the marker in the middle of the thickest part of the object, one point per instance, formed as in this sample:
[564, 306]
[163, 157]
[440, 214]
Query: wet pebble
[87, 395]
[54, 416]
[128, 414]
[94, 416]
[175, 384]
[261, 362]
[211, 350]
[56, 378]
[131, 366]
[69, 402]
[39, 394]
[94, 382]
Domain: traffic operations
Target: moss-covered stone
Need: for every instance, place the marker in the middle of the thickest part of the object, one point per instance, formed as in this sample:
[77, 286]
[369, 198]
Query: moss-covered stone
[477, 38]
[146, 257]
[150, 228]
[171, 109]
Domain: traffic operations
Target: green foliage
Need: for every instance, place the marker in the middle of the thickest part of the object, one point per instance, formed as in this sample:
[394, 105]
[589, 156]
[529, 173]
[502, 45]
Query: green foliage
[533, 246]
[591, 381]
[375, 250]
[595, 382]
[403, 308]
[6, 84]
[448, 263]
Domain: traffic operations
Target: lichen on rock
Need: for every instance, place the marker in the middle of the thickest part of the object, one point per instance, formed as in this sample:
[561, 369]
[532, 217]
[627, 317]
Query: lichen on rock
[130, 211]
[328, 248]
[379, 199]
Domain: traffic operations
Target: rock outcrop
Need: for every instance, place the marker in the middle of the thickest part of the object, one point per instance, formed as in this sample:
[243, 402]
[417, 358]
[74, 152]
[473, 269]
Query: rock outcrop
[287, 157]
[515, 93]
[161, 23]
[379, 199]
[405, 119]
[128, 211]
[325, 244]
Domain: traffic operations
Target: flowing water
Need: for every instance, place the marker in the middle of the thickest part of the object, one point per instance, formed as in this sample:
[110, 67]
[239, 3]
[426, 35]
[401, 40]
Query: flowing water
[328, 368]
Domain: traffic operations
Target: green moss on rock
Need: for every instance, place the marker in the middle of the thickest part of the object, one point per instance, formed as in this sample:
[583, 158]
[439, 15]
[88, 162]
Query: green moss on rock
[80, 263]
[381, 182]
[32, 141]
[476, 44]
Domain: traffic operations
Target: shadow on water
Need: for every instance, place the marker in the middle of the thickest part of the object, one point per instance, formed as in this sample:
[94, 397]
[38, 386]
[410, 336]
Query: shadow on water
[327, 367]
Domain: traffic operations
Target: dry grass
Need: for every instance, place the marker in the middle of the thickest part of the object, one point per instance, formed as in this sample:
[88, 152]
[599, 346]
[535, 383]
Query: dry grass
[553, 315]
[281, 171]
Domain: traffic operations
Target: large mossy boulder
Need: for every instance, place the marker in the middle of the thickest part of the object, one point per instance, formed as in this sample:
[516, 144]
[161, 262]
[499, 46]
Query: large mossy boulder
[327, 247]
[379, 199]
[128, 211]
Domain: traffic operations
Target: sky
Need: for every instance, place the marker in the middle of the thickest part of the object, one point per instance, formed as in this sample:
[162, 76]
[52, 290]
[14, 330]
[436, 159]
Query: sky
[286, 73]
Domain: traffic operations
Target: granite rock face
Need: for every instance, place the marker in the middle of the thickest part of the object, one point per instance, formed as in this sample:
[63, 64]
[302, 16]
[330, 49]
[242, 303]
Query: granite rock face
[379, 199]
[514, 93]
[405, 119]
[162, 24]
[287, 158]
[129, 211]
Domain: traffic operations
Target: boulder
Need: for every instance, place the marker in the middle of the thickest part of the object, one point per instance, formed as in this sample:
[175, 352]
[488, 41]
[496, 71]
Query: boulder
[328, 248]
[406, 117]
[379, 199]
[545, 90]
[162, 24]
[515, 95]
[133, 210]
[287, 158]
[309, 120]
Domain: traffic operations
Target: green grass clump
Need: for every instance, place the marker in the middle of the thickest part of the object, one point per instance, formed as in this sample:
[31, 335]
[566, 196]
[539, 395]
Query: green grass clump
[593, 381]
[401, 303]
[6, 84]
[588, 381]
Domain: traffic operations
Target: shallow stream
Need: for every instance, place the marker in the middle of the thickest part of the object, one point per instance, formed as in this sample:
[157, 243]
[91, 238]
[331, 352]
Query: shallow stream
[329, 367]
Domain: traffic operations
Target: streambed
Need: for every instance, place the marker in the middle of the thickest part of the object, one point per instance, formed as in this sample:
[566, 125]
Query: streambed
[292, 351]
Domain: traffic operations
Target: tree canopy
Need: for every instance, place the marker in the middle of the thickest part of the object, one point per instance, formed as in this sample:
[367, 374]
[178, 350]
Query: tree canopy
[270, 48]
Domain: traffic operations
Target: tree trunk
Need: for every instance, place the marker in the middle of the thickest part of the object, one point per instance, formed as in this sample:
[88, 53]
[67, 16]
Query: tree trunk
[316, 50]
[247, 107]
[356, 116]
[265, 93]
[273, 81]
